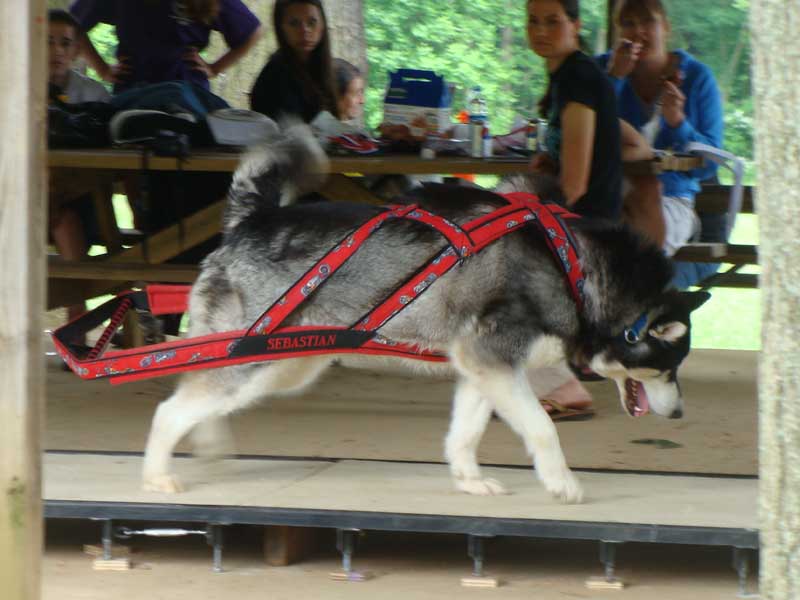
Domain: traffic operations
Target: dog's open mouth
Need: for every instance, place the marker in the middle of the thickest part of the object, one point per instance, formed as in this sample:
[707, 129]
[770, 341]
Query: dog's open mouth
[636, 401]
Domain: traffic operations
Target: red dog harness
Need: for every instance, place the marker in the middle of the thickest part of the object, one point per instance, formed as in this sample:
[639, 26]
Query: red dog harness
[267, 340]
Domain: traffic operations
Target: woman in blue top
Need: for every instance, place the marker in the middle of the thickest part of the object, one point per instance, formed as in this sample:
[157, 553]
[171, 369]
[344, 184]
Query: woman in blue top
[672, 99]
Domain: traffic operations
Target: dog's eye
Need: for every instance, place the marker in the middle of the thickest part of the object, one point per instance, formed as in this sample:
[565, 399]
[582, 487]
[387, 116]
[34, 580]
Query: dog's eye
[669, 332]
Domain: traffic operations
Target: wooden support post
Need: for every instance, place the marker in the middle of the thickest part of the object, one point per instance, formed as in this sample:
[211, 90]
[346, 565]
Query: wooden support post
[284, 545]
[22, 270]
[102, 196]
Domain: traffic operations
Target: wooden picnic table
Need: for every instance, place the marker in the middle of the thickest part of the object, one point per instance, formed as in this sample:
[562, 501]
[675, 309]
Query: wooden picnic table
[71, 282]
[409, 164]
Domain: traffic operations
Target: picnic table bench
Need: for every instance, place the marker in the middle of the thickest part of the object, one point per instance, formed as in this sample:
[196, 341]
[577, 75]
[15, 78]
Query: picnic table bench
[133, 256]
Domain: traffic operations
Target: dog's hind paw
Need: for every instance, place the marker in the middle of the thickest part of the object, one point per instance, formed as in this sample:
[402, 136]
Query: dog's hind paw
[166, 484]
[481, 487]
[565, 487]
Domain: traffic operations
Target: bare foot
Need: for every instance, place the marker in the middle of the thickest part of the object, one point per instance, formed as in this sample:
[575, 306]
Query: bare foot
[571, 394]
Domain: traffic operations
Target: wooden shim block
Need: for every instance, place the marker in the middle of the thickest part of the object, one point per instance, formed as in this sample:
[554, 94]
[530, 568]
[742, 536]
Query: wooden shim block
[355, 576]
[601, 583]
[114, 564]
[480, 582]
[284, 545]
[97, 551]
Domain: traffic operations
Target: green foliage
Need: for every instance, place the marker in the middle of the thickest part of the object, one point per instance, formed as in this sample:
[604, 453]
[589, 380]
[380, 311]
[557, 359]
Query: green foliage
[476, 42]
[105, 42]
[484, 42]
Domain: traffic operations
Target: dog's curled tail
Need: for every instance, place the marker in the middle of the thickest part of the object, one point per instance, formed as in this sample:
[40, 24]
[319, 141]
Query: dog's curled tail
[276, 173]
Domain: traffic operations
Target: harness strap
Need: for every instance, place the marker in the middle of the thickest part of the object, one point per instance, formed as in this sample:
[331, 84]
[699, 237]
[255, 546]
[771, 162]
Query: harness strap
[476, 235]
[271, 318]
[264, 340]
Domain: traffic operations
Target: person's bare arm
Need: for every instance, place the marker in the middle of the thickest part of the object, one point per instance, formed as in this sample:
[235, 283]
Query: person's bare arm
[110, 73]
[634, 146]
[578, 123]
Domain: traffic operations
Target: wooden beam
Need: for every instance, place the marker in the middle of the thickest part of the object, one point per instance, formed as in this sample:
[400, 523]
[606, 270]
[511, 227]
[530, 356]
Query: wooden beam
[113, 271]
[735, 254]
[23, 71]
[714, 199]
[384, 164]
[340, 188]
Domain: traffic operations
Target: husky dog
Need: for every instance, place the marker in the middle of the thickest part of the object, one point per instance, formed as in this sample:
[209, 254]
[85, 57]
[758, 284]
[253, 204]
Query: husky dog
[500, 315]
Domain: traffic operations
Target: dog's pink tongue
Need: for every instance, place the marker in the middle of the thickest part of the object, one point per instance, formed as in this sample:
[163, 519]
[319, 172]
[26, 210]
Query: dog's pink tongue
[642, 401]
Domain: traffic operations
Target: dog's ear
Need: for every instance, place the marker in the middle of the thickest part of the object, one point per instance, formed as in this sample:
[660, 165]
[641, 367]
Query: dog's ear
[669, 332]
[693, 300]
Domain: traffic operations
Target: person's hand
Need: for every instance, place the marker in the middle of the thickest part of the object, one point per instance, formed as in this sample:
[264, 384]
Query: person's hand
[198, 64]
[624, 58]
[672, 102]
[543, 163]
[115, 73]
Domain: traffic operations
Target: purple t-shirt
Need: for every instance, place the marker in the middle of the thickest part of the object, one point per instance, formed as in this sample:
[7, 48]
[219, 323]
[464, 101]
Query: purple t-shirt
[154, 35]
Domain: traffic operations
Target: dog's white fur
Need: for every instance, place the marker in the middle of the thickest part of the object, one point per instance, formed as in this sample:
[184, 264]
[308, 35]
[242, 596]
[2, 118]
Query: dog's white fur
[195, 409]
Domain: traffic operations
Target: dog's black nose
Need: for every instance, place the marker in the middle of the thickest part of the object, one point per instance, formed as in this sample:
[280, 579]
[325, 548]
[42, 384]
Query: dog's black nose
[676, 414]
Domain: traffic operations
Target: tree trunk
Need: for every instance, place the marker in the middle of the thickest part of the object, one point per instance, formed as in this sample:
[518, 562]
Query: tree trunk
[507, 48]
[731, 69]
[776, 83]
[348, 41]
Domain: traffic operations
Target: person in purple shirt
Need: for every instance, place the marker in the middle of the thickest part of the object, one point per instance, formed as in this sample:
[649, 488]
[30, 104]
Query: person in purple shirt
[161, 40]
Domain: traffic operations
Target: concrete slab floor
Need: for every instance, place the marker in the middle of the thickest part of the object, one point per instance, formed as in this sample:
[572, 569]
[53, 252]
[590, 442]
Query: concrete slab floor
[405, 565]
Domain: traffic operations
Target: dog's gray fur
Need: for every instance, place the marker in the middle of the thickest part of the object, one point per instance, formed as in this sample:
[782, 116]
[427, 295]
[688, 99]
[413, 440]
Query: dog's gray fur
[499, 315]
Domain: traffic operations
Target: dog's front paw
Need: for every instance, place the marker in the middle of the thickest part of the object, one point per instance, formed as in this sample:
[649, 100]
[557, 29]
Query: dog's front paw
[563, 485]
[166, 484]
[480, 487]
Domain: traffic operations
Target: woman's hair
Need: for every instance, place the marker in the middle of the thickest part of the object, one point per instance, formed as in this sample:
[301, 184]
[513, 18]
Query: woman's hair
[573, 11]
[317, 75]
[649, 8]
[201, 11]
[343, 73]
[571, 7]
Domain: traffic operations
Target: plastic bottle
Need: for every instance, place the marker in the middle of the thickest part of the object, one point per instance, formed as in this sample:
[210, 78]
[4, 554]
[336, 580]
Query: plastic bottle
[541, 135]
[478, 120]
[533, 144]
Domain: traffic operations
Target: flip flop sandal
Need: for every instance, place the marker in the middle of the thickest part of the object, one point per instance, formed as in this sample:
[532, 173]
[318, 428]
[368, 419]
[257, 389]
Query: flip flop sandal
[559, 412]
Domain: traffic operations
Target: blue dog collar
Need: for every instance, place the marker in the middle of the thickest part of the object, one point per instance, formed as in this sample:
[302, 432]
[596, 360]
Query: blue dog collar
[633, 334]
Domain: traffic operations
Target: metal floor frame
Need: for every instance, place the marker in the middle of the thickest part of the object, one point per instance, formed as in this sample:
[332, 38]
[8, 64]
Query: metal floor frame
[348, 522]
